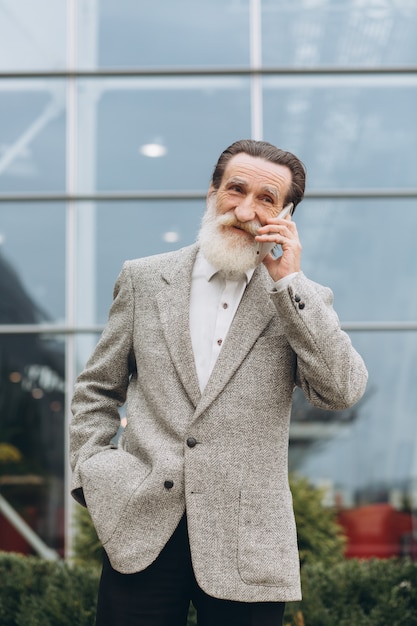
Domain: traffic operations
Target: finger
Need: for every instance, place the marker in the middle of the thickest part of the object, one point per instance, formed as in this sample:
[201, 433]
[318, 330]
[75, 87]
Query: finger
[273, 230]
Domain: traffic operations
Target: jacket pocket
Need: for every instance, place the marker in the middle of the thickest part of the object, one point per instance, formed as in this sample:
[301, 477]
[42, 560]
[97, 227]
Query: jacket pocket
[267, 539]
[110, 478]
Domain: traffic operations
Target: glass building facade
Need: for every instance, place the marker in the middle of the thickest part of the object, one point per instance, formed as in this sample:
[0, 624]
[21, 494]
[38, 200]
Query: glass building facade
[112, 117]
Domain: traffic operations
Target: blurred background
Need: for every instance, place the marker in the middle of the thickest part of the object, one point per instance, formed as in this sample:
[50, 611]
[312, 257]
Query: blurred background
[112, 116]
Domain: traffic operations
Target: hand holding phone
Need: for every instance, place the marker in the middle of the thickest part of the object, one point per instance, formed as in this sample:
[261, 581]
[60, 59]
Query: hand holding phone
[274, 249]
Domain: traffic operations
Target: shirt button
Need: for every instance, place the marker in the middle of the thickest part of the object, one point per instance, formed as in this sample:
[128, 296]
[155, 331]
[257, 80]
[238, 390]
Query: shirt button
[168, 484]
[301, 305]
[191, 442]
[219, 342]
[225, 305]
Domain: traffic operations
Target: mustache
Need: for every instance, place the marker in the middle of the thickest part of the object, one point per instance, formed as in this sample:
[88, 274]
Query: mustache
[251, 227]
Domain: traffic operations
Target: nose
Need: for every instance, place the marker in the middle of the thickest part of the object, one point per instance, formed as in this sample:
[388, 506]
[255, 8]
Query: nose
[245, 211]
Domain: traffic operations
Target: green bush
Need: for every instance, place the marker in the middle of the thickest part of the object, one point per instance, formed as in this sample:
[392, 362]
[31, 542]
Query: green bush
[86, 547]
[320, 537]
[35, 592]
[356, 592]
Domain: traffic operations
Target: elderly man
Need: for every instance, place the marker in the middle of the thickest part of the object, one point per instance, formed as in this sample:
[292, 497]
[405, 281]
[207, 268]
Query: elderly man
[206, 345]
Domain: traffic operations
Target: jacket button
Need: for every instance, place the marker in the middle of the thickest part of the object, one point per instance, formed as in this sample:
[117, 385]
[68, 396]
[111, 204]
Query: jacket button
[301, 305]
[191, 442]
[297, 298]
[168, 484]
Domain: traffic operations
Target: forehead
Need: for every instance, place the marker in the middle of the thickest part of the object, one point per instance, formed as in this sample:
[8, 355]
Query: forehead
[255, 170]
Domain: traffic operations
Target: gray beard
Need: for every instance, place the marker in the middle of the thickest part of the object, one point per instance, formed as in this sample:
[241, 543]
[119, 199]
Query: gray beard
[227, 251]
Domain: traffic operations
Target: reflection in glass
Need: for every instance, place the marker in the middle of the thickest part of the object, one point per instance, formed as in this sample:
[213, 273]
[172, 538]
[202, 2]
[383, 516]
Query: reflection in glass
[368, 455]
[32, 436]
[154, 33]
[339, 34]
[32, 245]
[32, 131]
[32, 387]
[183, 125]
[127, 230]
[364, 249]
[32, 35]
[350, 132]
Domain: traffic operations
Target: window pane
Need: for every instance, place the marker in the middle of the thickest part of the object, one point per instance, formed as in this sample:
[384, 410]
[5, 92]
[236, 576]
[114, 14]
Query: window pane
[32, 131]
[365, 251]
[32, 35]
[350, 132]
[348, 33]
[32, 260]
[112, 233]
[164, 33]
[32, 436]
[158, 133]
[369, 453]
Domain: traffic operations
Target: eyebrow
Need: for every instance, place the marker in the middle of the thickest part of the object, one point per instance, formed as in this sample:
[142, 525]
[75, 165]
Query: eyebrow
[235, 180]
[272, 191]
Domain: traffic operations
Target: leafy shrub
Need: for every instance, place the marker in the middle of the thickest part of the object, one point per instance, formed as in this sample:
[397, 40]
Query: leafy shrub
[192, 616]
[87, 547]
[35, 592]
[320, 537]
[363, 593]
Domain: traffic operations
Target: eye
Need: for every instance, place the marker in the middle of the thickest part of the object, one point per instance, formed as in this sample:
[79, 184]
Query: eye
[268, 199]
[236, 188]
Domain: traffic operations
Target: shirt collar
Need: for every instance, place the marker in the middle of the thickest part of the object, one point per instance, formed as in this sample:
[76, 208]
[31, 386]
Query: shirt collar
[208, 270]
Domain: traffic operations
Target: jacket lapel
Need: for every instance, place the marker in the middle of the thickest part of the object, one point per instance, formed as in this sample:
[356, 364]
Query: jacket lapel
[174, 305]
[253, 315]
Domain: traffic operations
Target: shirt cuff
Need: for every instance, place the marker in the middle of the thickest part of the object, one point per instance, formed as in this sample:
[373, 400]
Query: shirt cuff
[283, 283]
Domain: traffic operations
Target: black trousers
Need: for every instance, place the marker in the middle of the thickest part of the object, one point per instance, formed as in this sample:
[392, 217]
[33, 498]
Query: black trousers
[160, 595]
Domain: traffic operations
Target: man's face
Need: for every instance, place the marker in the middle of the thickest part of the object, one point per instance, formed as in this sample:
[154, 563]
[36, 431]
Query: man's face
[251, 192]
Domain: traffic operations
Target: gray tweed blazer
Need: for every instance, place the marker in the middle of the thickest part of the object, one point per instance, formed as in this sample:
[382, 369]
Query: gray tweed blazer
[220, 455]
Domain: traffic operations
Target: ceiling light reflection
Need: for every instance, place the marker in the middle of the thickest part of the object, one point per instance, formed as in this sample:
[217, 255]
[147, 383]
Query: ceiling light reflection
[153, 150]
[171, 236]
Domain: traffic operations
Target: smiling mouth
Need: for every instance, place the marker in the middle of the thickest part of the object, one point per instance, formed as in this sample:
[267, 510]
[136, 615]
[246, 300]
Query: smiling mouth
[239, 229]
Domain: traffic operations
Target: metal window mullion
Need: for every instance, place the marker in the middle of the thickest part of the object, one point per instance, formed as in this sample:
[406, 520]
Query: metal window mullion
[183, 194]
[210, 71]
[256, 63]
[94, 329]
[71, 242]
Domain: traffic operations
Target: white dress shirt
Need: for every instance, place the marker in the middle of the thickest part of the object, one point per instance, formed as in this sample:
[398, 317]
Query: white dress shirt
[214, 301]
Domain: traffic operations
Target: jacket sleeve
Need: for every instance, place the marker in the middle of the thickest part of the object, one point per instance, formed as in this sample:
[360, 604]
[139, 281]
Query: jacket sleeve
[100, 390]
[329, 370]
